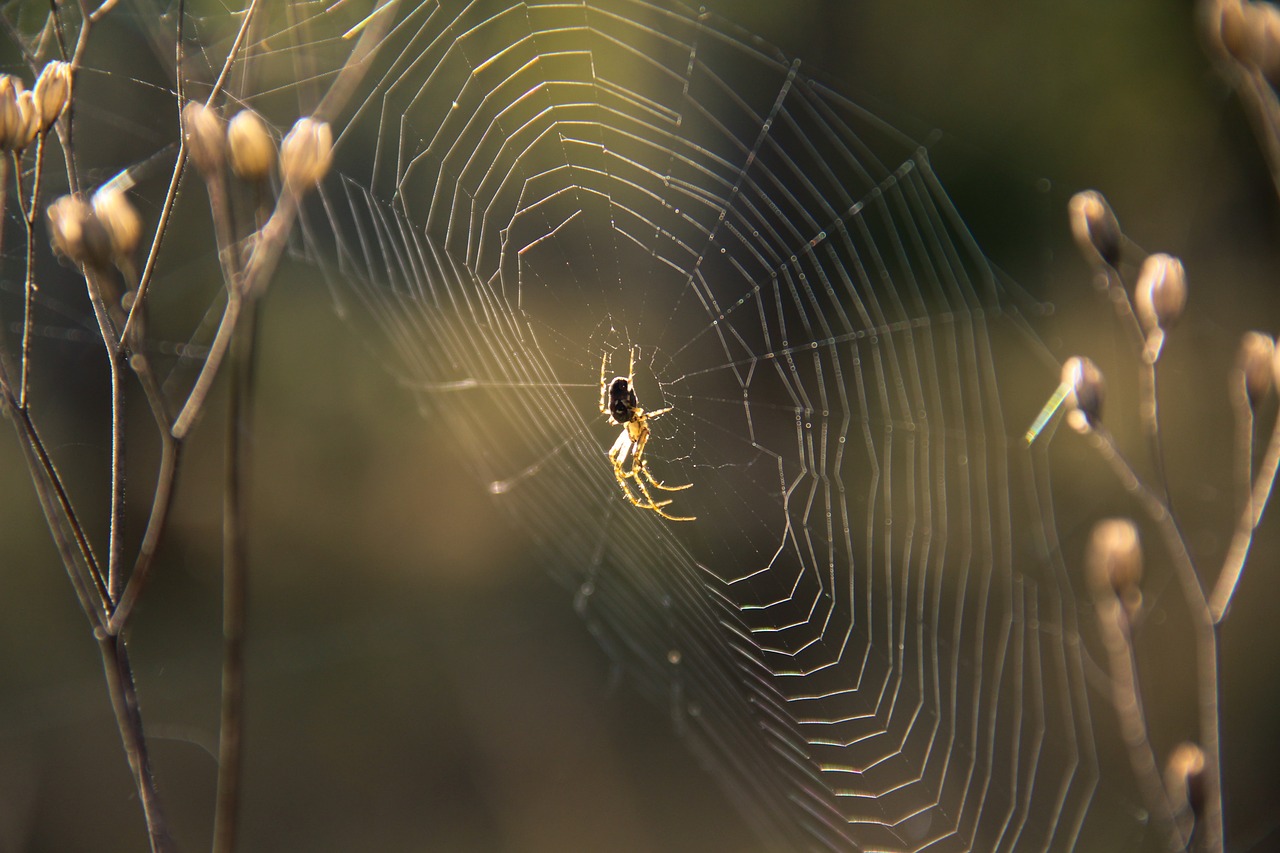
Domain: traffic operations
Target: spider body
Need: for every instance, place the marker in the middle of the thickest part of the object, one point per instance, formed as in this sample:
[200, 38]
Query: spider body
[619, 402]
[623, 403]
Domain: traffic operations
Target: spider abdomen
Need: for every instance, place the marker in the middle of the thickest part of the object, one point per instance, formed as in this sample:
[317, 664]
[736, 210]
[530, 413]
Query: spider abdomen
[622, 401]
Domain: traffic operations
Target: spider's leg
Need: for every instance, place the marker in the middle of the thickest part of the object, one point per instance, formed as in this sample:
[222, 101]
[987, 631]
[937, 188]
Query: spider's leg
[638, 466]
[644, 469]
[604, 387]
[645, 500]
[631, 369]
[652, 415]
[649, 502]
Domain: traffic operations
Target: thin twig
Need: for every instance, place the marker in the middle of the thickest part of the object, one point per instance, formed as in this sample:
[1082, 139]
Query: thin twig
[29, 289]
[124, 698]
[235, 579]
[1133, 723]
[1206, 638]
[1233, 565]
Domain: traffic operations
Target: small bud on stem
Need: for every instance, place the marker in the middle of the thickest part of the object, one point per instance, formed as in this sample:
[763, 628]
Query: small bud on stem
[1113, 563]
[1095, 227]
[204, 137]
[306, 154]
[1086, 391]
[75, 232]
[252, 150]
[120, 220]
[1255, 361]
[53, 91]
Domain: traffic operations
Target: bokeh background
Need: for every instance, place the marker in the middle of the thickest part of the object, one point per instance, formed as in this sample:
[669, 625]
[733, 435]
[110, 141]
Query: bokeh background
[415, 679]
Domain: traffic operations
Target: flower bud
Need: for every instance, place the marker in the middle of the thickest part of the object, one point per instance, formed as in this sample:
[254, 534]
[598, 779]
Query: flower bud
[120, 220]
[1086, 391]
[204, 138]
[251, 148]
[75, 231]
[53, 91]
[1256, 362]
[1262, 35]
[306, 154]
[1184, 777]
[1095, 227]
[1161, 293]
[11, 121]
[1113, 562]
[1228, 24]
[29, 125]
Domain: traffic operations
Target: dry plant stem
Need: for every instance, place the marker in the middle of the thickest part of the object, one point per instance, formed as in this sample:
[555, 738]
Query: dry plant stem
[1264, 113]
[1133, 722]
[162, 498]
[1256, 504]
[59, 511]
[1243, 411]
[261, 266]
[235, 579]
[77, 557]
[175, 181]
[29, 288]
[124, 699]
[1210, 831]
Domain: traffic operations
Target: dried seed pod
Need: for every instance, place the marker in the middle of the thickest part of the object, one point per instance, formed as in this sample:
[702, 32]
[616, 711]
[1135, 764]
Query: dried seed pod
[202, 132]
[1113, 563]
[53, 91]
[75, 231]
[120, 220]
[306, 154]
[1184, 777]
[29, 125]
[1086, 391]
[11, 122]
[1255, 361]
[1095, 227]
[251, 148]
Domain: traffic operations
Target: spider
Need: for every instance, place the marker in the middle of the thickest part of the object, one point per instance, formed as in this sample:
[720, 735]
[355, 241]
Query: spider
[619, 402]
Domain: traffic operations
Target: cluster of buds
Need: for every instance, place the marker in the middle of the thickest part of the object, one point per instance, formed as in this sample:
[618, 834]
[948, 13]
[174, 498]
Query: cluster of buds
[97, 233]
[1113, 564]
[26, 114]
[305, 156]
[1159, 299]
[1249, 32]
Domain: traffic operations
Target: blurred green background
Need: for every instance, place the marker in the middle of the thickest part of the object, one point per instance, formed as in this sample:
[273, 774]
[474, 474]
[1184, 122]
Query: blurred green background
[417, 682]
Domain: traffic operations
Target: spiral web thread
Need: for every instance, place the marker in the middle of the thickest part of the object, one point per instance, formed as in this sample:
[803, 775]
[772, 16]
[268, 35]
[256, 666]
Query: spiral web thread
[866, 634]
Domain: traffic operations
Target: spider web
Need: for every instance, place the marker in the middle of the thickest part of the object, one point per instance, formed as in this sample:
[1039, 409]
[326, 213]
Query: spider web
[867, 633]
